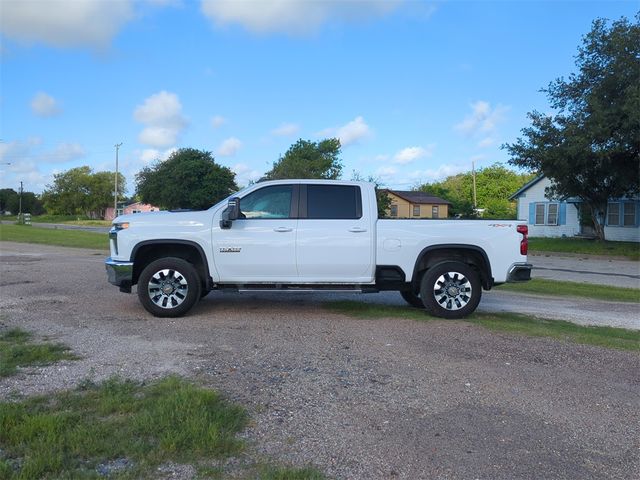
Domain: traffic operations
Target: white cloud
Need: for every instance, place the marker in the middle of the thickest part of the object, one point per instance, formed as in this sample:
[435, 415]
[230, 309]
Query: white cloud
[486, 142]
[62, 23]
[385, 173]
[411, 154]
[440, 173]
[218, 121]
[245, 174]
[354, 131]
[229, 147]
[44, 105]
[162, 115]
[65, 152]
[292, 16]
[483, 119]
[150, 155]
[285, 130]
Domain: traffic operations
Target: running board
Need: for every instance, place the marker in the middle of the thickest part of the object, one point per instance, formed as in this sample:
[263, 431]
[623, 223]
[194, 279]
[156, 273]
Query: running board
[288, 288]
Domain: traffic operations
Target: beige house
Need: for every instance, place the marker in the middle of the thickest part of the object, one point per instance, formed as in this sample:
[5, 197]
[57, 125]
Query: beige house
[407, 204]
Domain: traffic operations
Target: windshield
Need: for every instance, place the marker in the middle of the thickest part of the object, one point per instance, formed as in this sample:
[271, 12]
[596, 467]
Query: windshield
[226, 200]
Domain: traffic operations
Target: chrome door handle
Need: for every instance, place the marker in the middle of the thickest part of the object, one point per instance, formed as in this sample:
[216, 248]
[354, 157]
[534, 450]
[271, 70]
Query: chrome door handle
[282, 229]
[357, 229]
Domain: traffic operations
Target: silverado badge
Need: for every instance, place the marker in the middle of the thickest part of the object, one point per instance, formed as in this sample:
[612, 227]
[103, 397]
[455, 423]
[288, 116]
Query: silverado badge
[230, 249]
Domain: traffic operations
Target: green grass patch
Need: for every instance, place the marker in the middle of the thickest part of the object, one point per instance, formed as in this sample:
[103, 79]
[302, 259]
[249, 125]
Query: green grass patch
[17, 350]
[543, 286]
[631, 250]
[610, 337]
[118, 429]
[49, 236]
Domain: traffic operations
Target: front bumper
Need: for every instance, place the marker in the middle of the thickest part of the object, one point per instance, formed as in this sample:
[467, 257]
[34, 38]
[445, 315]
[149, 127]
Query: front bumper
[119, 273]
[519, 272]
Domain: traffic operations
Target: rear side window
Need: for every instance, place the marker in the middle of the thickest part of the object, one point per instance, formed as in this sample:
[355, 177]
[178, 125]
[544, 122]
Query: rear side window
[334, 202]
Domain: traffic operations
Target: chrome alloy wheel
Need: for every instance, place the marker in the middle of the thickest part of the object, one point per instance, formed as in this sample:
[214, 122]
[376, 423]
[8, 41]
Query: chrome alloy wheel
[452, 290]
[168, 288]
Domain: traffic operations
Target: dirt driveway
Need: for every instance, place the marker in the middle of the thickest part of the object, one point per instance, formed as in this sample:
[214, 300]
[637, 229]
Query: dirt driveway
[359, 399]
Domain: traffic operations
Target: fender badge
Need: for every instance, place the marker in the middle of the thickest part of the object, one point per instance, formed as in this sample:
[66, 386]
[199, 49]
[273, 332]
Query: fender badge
[230, 249]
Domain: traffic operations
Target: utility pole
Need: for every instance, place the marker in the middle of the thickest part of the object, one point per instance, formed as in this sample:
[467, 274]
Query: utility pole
[115, 196]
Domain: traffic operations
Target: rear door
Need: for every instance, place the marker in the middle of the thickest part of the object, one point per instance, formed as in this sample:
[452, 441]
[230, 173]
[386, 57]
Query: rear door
[335, 237]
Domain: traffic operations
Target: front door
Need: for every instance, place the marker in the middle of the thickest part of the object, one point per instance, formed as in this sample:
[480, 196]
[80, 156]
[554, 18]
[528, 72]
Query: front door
[260, 246]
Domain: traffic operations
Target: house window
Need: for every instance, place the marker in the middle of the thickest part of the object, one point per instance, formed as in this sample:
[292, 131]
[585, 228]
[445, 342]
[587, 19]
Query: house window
[629, 217]
[547, 214]
[552, 214]
[416, 210]
[613, 214]
[435, 211]
[540, 207]
[394, 210]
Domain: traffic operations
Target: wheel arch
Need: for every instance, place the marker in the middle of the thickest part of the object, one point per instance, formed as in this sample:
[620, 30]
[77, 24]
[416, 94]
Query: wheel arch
[146, 252]
[471, 255]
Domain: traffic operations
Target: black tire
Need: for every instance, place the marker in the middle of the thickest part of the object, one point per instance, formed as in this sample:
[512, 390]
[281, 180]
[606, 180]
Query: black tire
[451, 290]
[181, 284]
[412, 299]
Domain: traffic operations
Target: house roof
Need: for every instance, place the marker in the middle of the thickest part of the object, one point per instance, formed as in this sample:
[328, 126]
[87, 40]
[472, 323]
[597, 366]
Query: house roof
[418, 197]
[526, 187]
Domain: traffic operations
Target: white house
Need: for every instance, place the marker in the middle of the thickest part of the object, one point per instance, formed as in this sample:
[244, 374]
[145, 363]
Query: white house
[560, 218]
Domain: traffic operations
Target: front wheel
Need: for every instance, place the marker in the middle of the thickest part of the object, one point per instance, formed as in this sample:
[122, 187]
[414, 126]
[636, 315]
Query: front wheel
[169, 287]
[451, 290]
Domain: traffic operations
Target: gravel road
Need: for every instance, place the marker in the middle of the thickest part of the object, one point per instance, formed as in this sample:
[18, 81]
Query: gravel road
[359, 399]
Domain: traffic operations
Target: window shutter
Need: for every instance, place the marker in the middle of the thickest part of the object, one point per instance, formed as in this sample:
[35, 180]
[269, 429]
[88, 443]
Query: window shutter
[562, 215]
[532, 213]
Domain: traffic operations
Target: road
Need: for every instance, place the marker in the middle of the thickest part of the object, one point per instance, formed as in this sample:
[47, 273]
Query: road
[587, 269]
[360, 399]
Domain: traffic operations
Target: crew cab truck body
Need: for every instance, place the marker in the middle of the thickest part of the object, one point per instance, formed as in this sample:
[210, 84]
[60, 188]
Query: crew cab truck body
[312, 235]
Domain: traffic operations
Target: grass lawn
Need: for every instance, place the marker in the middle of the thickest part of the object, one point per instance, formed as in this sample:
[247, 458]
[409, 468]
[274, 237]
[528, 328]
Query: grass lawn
[67, 219]
[543, 286]
[631, 250]
[610, 337]
[17, 350]
[120, 428]
[49, 236]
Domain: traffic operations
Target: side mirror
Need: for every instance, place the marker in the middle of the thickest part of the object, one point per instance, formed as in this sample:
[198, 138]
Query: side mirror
[231, 213]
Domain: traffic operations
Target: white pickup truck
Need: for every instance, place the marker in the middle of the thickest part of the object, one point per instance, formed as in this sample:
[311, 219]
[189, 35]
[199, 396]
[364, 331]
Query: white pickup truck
[312, 235]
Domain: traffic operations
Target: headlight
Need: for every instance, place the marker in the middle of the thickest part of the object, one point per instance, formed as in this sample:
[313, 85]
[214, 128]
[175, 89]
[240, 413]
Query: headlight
[120, 226]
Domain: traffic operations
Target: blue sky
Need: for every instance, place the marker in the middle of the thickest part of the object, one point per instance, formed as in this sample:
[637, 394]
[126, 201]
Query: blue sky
[415, 90]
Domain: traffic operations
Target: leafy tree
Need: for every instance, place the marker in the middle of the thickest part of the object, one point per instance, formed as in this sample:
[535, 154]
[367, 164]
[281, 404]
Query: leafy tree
[8, 200]
[189, 178]
[79, 191]
[494, 186]
[590, 148]
[382, 197]
[306, 159]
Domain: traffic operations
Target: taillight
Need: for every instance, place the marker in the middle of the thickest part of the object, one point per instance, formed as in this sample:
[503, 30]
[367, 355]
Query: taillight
[524, 243]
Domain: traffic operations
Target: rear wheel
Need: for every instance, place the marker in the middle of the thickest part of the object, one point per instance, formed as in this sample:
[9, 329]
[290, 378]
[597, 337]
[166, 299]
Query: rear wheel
[451, 290]
[169, 287]
[412, 299]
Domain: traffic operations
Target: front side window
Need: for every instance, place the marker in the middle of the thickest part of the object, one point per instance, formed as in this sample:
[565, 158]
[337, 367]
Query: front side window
[552, 214]
[629, 214]
[268, 202]
[540, 213]
[613, 214]
[333, 202]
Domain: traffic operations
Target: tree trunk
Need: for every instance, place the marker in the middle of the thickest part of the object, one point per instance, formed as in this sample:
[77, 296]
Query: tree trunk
[598, 214]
